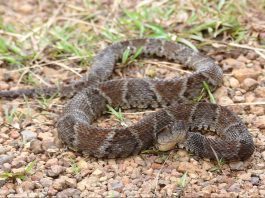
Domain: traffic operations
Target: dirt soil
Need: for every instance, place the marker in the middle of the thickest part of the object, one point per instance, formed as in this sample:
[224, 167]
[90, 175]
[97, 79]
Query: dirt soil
[34, 163]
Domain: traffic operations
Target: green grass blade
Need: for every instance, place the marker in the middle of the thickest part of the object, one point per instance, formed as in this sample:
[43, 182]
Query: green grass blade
[188, 43]
[30, 166]
[183, 180]
[220, 5]
[125, 56]
[207, 88]
[204, 26]
[6, 175]
[112, 111]
[138, 53]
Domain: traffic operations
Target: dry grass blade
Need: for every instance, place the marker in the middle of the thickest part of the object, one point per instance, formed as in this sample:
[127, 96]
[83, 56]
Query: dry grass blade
[167, 65]
[93, 26]
[41, 79]
[246, 47]
[219, 161]
[45, 26]
[138, 113]
[11, 34]
[260, 53]
[65, 67]
[22, 75]
[245, 104]
[159, 172]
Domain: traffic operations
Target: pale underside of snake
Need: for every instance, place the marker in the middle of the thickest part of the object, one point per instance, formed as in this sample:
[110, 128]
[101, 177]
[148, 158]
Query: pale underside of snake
[178, 122]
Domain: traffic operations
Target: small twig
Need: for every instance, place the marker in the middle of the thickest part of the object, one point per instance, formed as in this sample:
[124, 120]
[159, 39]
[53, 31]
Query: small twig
[41, 79]
[75, 7]
[46, 25]
[94, 26]
[255, 49]
[166, 65]
[217, 159]
[30, 34]
[48, 63]
[150, 2]
[259, 53]
[10, 34]
[138, 113]
[115, 6]
[228, 74]
[245, 47]
[245, 104]
[75, 57]
[22, 75]
[159, 172]
[65, 67]
[52, 19]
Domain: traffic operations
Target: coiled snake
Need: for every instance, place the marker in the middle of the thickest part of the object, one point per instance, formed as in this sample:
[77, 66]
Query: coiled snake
[179, 121]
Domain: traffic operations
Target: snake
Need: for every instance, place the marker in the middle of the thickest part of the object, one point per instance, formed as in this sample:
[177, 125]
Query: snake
[206, 129]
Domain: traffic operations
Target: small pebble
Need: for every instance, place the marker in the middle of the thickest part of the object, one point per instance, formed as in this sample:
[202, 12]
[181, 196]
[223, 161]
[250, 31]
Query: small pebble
[260, 92]
[255, 181]
[51, 162]
[27, 185]
[239, 99]
[69, 192]
[71, 182]
[242, 73]
[187, 166]
[237, 165]
[55, 170]
[234, 188]
[36, 146]
[234, 82]
[249, 84]
[46, 182]
[14, 134]
[3, 150]
[206, 165]
[116, 185]
[59, 183]
[263, 155]
[19, 162]
[48, 145]
[97, 172]
[260, 122]
[245, 176]
[6, 167]
[262, 193]
[82, 164]
[6, 159]
[259, 111]
[230, 63]
[28, 135]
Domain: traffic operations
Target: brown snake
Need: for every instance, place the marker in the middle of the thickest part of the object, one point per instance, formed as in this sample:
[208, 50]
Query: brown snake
[179, 121]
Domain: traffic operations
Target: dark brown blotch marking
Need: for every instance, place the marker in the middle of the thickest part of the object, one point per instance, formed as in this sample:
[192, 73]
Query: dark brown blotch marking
[114, 90]
[168, 90]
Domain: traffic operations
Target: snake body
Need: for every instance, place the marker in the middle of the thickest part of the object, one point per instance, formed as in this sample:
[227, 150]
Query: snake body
[178, 122]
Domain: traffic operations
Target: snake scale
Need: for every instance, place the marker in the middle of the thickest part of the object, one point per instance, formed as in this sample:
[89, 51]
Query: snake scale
[178, 122]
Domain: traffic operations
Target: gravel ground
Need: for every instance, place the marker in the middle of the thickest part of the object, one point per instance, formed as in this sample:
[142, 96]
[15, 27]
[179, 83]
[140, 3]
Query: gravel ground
[30, 139]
